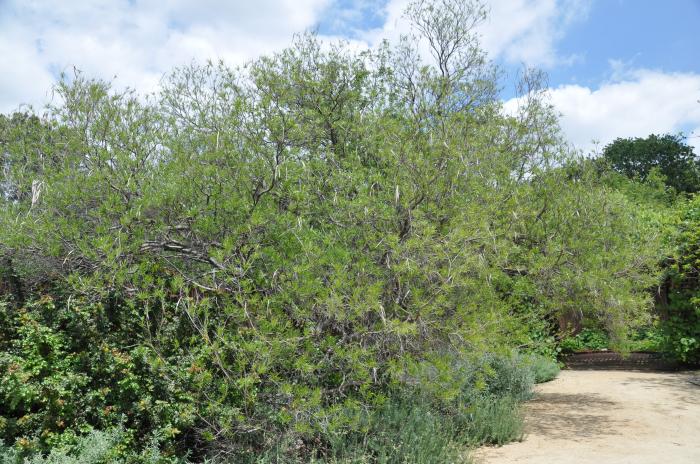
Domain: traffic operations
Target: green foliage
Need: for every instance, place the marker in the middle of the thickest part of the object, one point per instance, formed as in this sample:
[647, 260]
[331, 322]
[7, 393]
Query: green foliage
[668, 214]
[648, 339]
[496, 421]
[64, 370]
[96, 447]
[682, 322]
[586, 340]
[669, 154]
[413, 425]
[401, 431]
[543, 368]
[485, 411]
[262, 258]
[510, 376]
[645, 338]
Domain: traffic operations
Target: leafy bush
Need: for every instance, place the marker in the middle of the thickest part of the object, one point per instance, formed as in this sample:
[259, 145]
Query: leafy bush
[681, 328]
[510, 376]
[649, 338]
[412, 425]
[495, 420]
[586, 340]
[542, 341]
[420, 428]
[65, 371]
[96, 447]
[260, 259]
[646, 338]
[544, 369]
[404, 430]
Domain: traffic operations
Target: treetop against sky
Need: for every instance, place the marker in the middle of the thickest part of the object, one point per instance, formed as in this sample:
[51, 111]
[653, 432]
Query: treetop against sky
[618, 68]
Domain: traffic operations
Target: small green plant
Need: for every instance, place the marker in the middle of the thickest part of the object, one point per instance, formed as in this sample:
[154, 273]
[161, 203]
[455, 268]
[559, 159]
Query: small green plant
[586, 340]
[96, 447]
[408, 430]
[495, 420]
[543, 368]
[647, 339]
[510, 376]
[681, 339]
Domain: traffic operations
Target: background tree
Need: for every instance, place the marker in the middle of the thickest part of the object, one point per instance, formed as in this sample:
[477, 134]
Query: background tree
[637, 157]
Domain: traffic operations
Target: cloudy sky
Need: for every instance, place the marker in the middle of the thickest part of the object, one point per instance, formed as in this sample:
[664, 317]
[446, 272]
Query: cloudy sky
[617, 68]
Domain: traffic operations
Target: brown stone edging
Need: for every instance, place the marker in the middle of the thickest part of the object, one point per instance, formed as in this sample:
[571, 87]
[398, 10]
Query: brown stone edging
[614, 360]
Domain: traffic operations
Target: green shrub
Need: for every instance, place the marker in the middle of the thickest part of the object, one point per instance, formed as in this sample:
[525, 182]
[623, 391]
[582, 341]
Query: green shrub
[510, 376]
[544, 369]
[407, 430]
[259, 259]
[586, 340]
[414, 425]
[541, 341]
[681, 329]
[495, 420]
[681, 339]
[66, 371]
[96, 447]
[9, 455]
[645, 338]
[649, 338]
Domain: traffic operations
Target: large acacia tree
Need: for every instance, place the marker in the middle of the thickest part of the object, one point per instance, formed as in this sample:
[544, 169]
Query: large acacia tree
[282, 244]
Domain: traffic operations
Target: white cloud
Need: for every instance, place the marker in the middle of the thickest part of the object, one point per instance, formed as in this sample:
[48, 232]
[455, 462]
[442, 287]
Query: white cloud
[139, 40]
[23, 77]
[136, 40]
[528, 30]
[635, 104]
[519, 31]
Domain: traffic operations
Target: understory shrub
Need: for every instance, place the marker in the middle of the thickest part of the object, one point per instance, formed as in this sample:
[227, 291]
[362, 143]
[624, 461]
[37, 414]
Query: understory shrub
[65, 370]
[403, 430]
[586, 340]
[510, 376]
[681, 328]
[495, 420]
[544, 369]
[650, 338]
[414, 425]
[645, 338]
[95, 447]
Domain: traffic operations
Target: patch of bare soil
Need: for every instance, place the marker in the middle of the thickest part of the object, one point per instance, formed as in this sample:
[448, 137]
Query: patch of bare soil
[608, 417]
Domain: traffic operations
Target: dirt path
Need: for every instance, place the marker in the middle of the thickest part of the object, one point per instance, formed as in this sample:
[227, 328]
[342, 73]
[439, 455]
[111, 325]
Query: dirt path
[608, 417]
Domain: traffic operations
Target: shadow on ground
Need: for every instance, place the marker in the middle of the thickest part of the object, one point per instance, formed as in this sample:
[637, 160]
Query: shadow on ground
[569, 416]
[678, 383]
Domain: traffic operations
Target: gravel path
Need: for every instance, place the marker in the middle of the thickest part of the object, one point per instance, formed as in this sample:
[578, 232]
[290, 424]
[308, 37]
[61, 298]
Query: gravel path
[608, 417]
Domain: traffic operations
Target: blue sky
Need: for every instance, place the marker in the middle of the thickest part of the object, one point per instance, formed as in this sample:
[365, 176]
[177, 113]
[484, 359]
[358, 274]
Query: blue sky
[639, 33]
[617, 68]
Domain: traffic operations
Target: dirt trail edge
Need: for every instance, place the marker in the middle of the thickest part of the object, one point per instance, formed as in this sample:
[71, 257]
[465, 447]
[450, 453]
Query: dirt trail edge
[608, 417]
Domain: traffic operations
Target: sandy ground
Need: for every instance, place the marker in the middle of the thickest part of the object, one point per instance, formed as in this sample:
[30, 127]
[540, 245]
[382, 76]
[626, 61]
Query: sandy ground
[608, 417]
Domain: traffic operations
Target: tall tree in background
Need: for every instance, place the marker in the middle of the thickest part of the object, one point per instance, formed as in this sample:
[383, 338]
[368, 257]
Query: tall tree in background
[636, 157]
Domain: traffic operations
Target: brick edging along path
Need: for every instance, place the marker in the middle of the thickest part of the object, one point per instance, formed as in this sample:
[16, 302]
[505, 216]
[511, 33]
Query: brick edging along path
[613, 360]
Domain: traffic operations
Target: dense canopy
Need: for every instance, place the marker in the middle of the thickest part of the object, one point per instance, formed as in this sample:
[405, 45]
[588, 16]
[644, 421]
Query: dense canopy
[258, 258]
